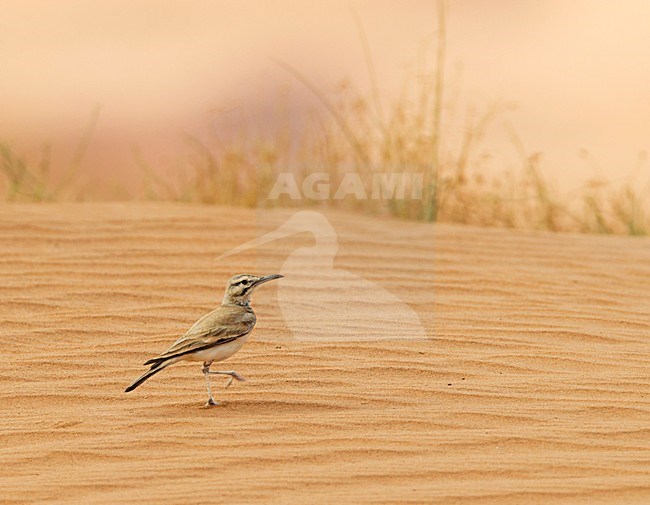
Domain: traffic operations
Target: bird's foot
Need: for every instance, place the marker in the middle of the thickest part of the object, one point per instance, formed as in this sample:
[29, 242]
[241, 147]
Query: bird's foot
[240, 378]
[211, 403]
[235, 375]
[232, 374]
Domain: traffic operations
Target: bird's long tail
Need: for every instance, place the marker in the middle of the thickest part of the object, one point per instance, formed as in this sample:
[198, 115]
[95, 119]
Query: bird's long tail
[155, 368]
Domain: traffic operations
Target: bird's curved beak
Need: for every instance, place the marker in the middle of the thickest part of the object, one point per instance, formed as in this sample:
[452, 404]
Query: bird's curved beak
[267, 278]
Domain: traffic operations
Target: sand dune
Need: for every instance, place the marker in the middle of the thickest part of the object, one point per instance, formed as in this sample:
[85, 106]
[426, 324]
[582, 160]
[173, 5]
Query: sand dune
[532, 387]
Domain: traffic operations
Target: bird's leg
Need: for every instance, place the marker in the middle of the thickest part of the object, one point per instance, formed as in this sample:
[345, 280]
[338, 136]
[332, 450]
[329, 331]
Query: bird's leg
[206, 373]
[231, 373]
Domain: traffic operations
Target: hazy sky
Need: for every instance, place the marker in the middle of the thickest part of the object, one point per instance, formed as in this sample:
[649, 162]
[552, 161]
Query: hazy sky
[577, 70]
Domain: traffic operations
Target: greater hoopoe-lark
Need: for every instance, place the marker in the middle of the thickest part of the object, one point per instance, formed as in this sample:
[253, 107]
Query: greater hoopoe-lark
[216, 336]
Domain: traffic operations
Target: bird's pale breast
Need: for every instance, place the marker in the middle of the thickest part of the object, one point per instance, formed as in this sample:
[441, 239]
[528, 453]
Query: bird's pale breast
[218, 352]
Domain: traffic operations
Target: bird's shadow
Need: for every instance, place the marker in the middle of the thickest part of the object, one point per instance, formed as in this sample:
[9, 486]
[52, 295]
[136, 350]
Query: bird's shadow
[245, 407]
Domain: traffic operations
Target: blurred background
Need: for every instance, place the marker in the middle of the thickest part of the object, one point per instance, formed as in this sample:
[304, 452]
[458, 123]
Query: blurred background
[520, 113]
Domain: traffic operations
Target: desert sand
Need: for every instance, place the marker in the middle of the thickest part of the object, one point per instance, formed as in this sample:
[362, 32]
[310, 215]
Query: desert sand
[532, 385]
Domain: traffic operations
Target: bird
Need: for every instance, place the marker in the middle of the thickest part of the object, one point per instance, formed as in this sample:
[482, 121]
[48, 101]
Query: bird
[216, 336]
[322, 303]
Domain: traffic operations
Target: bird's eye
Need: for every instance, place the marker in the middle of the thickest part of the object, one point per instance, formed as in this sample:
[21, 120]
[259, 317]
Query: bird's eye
[245, 282]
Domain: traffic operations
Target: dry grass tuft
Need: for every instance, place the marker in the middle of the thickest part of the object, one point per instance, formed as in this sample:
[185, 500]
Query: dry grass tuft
[365, 136]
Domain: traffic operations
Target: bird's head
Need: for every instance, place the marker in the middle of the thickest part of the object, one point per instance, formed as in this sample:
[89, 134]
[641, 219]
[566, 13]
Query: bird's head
[241, 286]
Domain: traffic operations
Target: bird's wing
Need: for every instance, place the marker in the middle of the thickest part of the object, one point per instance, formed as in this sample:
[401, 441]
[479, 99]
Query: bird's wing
[220, 326]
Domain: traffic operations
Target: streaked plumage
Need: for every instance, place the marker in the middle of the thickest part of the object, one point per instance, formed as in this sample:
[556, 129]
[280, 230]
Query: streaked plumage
[217, 335]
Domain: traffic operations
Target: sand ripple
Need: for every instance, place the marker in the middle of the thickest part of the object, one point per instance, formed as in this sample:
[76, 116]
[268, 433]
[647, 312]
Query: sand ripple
[533, 386]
